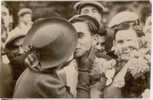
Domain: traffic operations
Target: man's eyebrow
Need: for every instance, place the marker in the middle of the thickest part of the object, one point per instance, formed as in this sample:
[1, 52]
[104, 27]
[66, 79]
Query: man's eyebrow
[120, 41]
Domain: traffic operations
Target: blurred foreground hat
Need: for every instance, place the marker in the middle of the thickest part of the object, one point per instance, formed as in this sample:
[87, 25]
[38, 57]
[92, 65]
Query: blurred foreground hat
[125, 16]
[79, 5]
[54, 39]
[24, 11]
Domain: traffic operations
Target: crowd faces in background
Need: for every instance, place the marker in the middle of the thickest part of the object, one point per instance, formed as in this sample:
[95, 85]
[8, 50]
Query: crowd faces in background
[90, 71]
[95, 10]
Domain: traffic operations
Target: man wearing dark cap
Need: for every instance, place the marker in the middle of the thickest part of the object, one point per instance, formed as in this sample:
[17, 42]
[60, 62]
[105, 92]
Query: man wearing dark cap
[15, 54]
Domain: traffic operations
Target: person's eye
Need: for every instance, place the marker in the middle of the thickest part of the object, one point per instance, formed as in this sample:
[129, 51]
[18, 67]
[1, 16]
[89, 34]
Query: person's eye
[120, 41]
[97, 43]
[85, 11]
[80, 34]
[129, 40]
[102, 43]
[94, 11]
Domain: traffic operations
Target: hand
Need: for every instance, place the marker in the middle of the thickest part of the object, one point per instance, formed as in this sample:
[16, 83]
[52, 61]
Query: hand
[146, 93]
[95, 75]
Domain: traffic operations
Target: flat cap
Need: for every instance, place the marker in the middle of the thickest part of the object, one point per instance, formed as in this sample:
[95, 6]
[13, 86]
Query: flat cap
[81, 4]
[24, 11]
[125, 16]
[12, 37]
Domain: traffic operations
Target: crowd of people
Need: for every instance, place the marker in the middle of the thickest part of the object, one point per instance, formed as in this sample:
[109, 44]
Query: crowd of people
[59, 58]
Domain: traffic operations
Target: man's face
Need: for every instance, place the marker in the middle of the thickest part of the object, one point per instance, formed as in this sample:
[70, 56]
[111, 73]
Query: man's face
[84, 39]
[27, 18]
[126, 43]
[16, 51]
[91, 11]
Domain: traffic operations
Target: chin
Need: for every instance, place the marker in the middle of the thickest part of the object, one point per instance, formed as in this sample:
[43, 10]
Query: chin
[78, 54]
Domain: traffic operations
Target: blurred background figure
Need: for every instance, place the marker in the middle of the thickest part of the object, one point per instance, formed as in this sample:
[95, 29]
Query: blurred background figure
[25, 19]
[13, 44]
[15, 54]
[90, 8]
[5, 25]
[6, 87]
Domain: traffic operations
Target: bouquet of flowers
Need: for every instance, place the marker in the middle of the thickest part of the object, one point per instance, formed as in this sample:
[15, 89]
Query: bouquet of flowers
[139, 62]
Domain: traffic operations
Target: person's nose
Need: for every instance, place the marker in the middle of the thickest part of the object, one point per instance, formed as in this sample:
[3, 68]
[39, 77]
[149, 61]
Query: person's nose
[21, 50]
[90, 13]
[78, 44]
[98, 46]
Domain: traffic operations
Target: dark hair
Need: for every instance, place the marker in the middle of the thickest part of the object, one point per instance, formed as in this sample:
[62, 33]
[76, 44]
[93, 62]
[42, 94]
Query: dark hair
[91, 22]
[145, 12]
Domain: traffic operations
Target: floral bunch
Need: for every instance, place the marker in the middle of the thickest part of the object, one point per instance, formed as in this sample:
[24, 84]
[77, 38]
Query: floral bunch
[139, 62]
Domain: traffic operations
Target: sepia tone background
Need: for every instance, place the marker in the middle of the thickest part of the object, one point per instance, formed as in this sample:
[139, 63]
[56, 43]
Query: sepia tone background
[63, 8]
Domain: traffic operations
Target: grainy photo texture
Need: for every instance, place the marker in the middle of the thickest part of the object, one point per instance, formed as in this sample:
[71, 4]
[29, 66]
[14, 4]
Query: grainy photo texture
[75, 49]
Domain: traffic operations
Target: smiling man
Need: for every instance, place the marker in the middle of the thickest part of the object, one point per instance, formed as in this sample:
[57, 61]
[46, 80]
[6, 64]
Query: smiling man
[126, 42]
[132, 69]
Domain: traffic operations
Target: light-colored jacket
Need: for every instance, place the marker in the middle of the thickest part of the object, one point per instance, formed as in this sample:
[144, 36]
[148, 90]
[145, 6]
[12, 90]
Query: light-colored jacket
[69, 75]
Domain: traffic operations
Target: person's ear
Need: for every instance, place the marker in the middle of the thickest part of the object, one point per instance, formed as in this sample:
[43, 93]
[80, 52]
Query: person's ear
[114, 45]
[139, 43]
[93, 42]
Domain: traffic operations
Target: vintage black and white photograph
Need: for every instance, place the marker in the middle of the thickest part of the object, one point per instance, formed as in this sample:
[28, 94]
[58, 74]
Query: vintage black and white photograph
[76, 49]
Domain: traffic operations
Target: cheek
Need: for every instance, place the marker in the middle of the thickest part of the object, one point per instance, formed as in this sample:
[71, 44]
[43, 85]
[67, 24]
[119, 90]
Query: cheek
[85, 43]
[118, 49]
[133, 44]
[97, 16]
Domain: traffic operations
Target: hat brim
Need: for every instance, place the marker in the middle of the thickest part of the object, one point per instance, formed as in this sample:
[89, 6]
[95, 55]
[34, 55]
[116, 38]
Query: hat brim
[36, 39]
[79, 5]
[12, 38]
